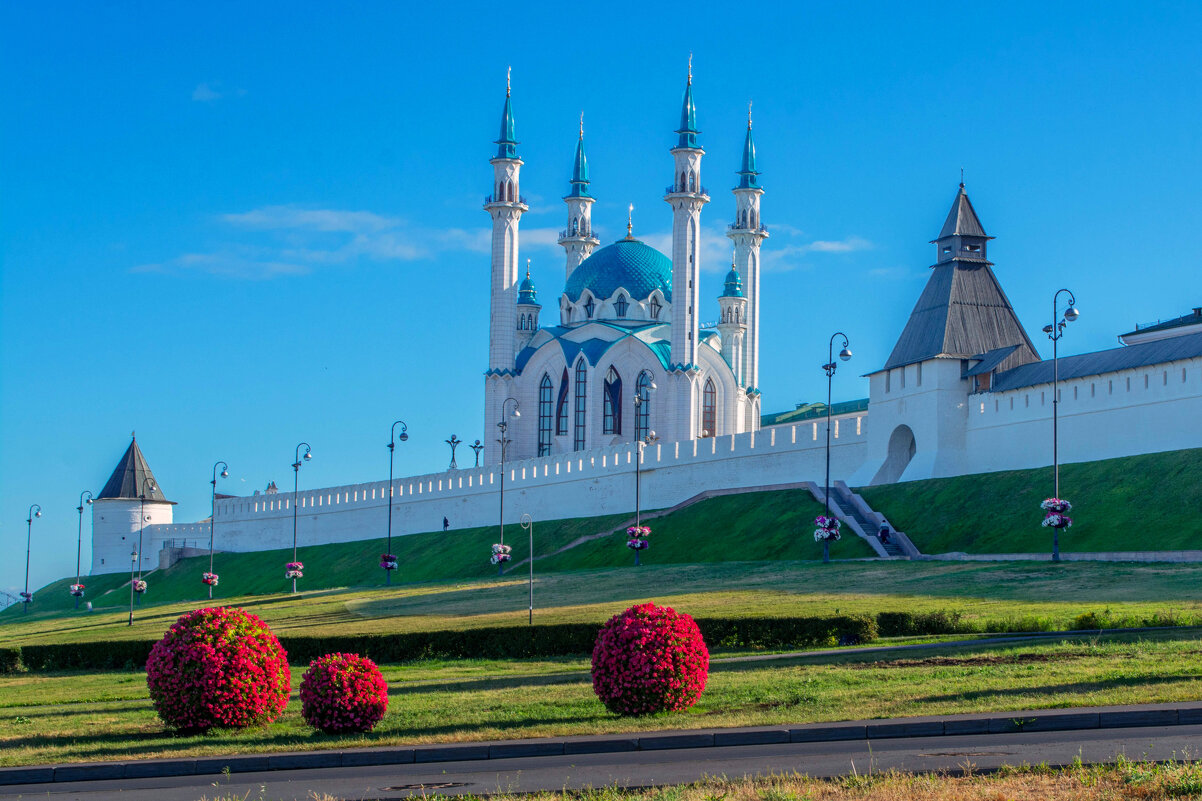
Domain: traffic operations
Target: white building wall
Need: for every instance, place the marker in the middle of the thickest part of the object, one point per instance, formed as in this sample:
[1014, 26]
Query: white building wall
[582, 484]
[115, 534]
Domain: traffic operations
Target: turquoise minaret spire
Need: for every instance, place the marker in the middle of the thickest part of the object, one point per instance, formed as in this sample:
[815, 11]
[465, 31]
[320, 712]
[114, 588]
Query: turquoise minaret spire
[748, 174]
[580, 168]
[507, 145]
[688, 115]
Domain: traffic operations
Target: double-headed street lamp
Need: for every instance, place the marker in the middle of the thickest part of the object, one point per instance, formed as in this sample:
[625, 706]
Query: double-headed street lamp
[640, 397]
[79, 542]
[296, 466]
[830, 367]
[34, 511]
[1055, 331]
[225, 473]
[503, 427]
[392, 439]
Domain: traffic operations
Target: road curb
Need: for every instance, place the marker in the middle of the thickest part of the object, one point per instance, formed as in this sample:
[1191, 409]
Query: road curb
[993, 723]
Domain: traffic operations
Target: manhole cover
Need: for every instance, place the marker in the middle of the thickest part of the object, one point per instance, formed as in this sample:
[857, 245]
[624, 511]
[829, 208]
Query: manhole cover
[432, 786]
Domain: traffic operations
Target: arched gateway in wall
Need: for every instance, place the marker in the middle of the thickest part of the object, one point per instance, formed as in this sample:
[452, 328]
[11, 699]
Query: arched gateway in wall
[902, 448]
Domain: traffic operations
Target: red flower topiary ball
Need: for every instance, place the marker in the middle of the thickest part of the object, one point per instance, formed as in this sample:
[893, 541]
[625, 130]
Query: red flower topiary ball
[218, 668]
[343, 692]
[649, 659]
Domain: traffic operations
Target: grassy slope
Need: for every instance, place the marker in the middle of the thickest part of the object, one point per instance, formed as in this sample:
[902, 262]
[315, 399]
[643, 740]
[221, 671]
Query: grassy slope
[1136, 503]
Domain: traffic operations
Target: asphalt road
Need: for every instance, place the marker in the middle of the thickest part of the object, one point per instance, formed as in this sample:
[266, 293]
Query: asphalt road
[645, 768]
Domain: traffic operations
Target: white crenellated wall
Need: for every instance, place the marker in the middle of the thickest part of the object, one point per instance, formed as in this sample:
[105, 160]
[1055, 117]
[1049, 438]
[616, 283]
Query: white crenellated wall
[584, 484]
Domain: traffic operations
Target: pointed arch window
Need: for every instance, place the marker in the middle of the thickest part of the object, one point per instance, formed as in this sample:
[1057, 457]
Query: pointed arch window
[612, 423]
[655, 308]
[581, 404]
[544, 416]
[709, 409]
[561, 406]
[621, 305]
[589, 307]
[642, 415]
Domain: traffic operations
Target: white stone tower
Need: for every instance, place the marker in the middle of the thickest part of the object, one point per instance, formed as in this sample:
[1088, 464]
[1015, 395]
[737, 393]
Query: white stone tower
[686, 196]
[577, 239]
[115, 513]
[748, 234]
[505, 206]
[732, 324]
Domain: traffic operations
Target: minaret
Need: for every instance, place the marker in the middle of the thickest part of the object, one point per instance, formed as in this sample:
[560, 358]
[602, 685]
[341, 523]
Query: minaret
[527, 310]
[577, 239]
[505, 206]
[686, 196]
[748, 234]
[732, 322]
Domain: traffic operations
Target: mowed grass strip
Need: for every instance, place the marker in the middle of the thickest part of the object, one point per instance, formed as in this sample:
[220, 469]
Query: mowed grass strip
[104, 716]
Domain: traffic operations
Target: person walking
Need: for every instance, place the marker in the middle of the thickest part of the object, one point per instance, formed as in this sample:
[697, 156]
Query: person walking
[446, 524]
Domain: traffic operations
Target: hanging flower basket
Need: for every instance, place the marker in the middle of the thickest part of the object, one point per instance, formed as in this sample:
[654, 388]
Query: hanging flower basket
[1056, 517]
[826, 529]
[500, 554]
[139, 586]
[76, 590]
[294, 570]
[26, 596]
[636, 538]
[210, 579]
[388, 561]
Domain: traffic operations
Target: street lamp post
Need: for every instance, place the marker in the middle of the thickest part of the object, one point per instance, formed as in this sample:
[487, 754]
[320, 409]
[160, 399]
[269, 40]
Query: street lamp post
[296, 466]
[830, 367]
[503, 427]
[528, 524]
[147, 484]
[476, 448]
[79, 540]
[134, 556]
[454, 442]
[392, 438]
[34, 511]
[225, 473]
[1055, 331]
[640, 397]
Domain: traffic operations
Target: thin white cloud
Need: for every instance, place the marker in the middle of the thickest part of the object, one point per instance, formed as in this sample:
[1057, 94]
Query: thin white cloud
[225, 265]
[275, 218]
[204, 93]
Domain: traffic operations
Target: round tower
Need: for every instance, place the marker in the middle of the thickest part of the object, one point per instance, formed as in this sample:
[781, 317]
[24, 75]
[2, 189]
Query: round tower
[131, 492]
[528, 309]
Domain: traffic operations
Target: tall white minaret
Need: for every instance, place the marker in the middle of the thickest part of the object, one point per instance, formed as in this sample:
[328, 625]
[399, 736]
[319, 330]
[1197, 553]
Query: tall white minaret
[748, 234]
[577, 239]
[686, 197]
[505, 206]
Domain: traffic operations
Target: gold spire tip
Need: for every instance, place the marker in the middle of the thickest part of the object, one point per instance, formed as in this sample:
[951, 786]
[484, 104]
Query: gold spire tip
[582, 125]
[749, 115]
[630, 221]
[690, 69]
[508, 76]
[527, 268]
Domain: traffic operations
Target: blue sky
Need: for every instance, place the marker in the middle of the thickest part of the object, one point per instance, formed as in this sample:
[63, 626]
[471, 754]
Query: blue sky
[235, 228]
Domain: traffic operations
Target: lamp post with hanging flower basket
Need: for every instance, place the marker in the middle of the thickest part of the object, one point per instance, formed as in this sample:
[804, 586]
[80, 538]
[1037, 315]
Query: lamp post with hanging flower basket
[290, 571]
[636, 540]
[826, 531]
[77, 588]
[826, 523]
[210, 578]
[500, 551]
[133, 581]
[1055, 331]
[388, 561]
[148, 485]
[35, 510]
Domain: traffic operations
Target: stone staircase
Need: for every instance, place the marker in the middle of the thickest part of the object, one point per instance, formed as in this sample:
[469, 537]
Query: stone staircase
[855, 507]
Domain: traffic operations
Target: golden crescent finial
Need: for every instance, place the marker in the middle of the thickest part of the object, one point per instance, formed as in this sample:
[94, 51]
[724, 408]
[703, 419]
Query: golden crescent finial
[527, 268]
[508, 75]
[582, 125]
[749, 115]
[690, 69]
[630, 221]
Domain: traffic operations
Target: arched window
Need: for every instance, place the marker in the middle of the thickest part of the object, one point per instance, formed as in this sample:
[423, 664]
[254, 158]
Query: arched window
[655, 308]
[544, 416]
[589, 307]
[612, 423]
[621, 305]
[642, 417]
[683, 181]
[561, 406]
[692, 181]
[709, 409]
[581, 404]
[509, 190]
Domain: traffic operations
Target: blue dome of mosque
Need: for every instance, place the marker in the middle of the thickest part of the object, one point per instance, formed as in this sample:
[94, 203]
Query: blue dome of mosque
[626, 264]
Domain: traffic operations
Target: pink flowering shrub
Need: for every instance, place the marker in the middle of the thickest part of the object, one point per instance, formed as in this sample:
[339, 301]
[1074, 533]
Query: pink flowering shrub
[343, 692]
[649, 659]
[218, 668]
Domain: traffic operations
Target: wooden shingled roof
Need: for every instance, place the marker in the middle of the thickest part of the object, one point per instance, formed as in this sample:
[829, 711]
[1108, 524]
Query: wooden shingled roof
[131, 477]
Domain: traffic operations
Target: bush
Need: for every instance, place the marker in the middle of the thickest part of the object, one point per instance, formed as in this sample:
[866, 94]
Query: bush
[909, 624]
[218, 668]
[787, 632]
[649, 659]
[10, 660]
[343, 692]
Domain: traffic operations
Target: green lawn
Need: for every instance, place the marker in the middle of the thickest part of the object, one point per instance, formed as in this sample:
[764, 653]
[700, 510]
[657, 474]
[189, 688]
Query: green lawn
[990, 595]
[1137, 503]
[69, 717]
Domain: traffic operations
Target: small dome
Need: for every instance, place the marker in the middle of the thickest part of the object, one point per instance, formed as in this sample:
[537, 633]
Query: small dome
[526, 291]
[734, 285]
[626, 264]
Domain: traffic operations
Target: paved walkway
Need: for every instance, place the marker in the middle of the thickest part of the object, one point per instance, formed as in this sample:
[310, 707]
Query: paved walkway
[1083, 556]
